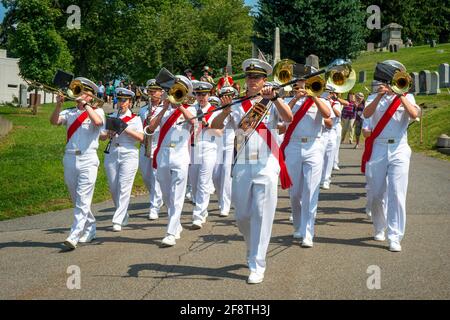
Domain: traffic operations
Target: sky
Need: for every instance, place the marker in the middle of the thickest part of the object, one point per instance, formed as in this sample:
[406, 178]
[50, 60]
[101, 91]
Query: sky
[2, 12]
[2, 9]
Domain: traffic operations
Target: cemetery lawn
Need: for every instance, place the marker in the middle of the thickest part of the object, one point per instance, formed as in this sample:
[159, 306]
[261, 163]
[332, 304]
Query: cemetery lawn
[31, 169]
[436, 108]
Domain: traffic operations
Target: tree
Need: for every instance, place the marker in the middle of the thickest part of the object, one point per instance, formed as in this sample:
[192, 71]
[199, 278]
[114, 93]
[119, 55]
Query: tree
[422, 20]
[326, 28]
[31, 36]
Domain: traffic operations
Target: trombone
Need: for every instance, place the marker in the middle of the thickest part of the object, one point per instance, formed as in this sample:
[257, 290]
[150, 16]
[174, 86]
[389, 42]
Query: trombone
[74, 91]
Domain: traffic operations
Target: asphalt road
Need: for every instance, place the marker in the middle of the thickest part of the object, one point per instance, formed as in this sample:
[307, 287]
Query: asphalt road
[210, 263]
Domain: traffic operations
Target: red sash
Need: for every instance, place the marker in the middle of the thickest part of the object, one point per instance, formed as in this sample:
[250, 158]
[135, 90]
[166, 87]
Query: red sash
[297, 118]
[76, 124]
[266, 134]
[164, 130]
[127, 119]
[376, 132]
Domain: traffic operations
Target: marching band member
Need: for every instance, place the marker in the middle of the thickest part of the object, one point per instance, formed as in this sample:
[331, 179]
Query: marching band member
[84, 123]
[171, 159]
[258, 164]
[122, 162]
[147, 113]
[304, 151]
[330, 139]
[203, 154]
[386, 158]
[222, 171]
[338, 120]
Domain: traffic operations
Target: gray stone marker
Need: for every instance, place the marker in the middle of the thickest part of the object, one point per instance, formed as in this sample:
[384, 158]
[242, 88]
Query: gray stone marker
[370, 47]
[415, 87]
[444, 75]
[229, 66]
[254, 51]
[276, 47]
[425, 81]
[433, 43]
[362, 76]
[434, 83]
[312, 60]
[23, 96]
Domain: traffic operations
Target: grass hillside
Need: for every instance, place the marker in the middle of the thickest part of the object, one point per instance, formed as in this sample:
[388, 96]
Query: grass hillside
[31, 168]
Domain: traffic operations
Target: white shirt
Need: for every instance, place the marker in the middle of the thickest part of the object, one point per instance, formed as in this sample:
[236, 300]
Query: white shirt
[204, 136]
[178, 137]
[397, 126]
[143, 113]
[134, 124]
[85, 138]
[311, 123]
[256, 145]
[101, 89]
[337, 105]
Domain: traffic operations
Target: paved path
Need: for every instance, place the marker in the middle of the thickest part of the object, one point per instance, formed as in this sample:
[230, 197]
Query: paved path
[209, 263]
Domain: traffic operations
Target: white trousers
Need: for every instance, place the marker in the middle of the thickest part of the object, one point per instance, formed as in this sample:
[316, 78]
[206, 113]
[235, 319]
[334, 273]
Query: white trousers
[200, 176]
[152, 184]
[222, 179]
[329, 139]
[304, 162]
[173, 180]
[121, 165]
[338, 143]
[254, 196]
[388, 171]
[80, 174]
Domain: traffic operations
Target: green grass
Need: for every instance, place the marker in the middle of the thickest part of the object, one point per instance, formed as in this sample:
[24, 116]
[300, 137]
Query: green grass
[31, 169]
[436, 114]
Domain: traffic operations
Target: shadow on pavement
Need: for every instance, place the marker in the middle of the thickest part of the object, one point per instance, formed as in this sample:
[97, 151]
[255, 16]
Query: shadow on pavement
[186, 272]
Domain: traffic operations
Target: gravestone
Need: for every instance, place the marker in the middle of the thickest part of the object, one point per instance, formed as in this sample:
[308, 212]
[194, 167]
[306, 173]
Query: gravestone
[313, 60]
[5, 126]
[424, 81]
[444, 75]
[434, 83]
[362, 76]
[415, 88]
[254, 51]
[276, 48]
[370, 47]
[23, 96]
[433, 43]
[229, 67]
[392, 35]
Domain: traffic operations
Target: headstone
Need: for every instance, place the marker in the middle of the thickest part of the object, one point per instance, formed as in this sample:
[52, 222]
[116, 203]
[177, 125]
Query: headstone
[5, 126]
[254, 51]
[443, 141]
[444, 75]
[313, 60]
[229, 67]
[23, 95]
[433, 43]
[415, 88]
[434, 83]
[370, 47]
[276, 48]
[424, 81]
[362, 76]
[392, 35]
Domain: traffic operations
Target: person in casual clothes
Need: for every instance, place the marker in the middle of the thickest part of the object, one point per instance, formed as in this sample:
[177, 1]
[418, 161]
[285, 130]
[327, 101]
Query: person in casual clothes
[358, 119]
[101, 90]
[348, 116]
